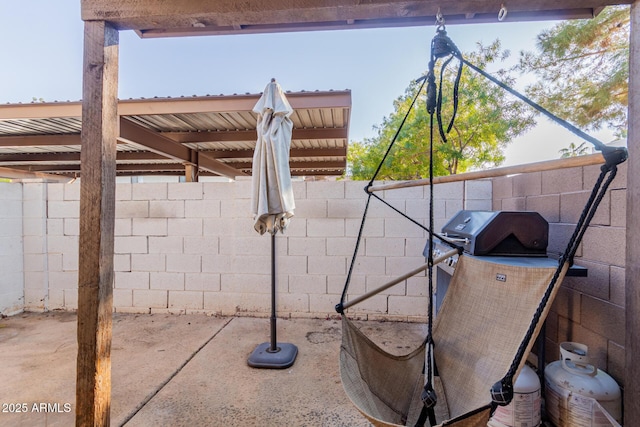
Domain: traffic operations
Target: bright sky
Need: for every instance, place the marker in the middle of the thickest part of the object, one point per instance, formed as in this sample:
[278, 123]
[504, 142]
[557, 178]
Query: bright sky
[42, 58]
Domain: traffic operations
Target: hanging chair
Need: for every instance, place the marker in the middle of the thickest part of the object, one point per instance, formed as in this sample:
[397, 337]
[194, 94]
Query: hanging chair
[479, 340]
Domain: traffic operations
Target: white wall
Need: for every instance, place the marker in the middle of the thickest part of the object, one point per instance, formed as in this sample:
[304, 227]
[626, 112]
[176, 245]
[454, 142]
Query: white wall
[191, 247]
[11, 267]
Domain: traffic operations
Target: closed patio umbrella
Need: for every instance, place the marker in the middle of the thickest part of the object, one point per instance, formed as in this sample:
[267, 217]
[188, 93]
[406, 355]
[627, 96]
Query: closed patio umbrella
[272, 203]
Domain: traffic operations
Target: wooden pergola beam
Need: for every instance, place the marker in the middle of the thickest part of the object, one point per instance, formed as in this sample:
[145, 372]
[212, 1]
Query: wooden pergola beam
[250, 135]
[96, 240]
[632, 261]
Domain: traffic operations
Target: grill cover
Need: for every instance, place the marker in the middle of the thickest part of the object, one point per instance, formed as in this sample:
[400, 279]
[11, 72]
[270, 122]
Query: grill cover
[500, 232]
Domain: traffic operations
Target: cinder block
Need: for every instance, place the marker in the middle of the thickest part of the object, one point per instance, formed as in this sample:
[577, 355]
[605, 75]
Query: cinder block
[185, 226]
[369, 265]
[72, 191]
[218, 190]
[616, 362]
[478, 205]
[335, 284]
[184, 263]
[548, 206]
[63, 279]
[201, 245]
[30, 226]
[502, 188]
[217, 264]
[349, 208]
[209, 282]
[572, 205]
[55, 191]
[375, 282]
[415, 246]
[316, 246]
[62, 244]
[251, 283]
[32, 262]
[292, 303]
[11, 245]
[186, 300]
[34, 208]
[478, 189]
[596, 284]
[151, 191]
[418, 208]
[310, 209]
[149, 227]
[617, 285]
[597, 344]
[605, 244]
[396, 266]
[385, 246]
[131, 245]
[448, 191]
[184, 191]
[290, 264]
[327, 265]
[131, 280]
[148, 262]
[567, 304]
[167, 281]
[166, 245]
[377, 304]
[408, 306]
[373, 227]
[308, 284]
[407, 193]
[123, 191]
[132, 209]
[123, 227]
[342, 246]
[299, 189]
[35, 280]
[166, 209]
[30, 190]
[377, 209]
[325, 190]
[329, 227]
[527, 184]
[559, 235]
[55, 300]
[70, 299]
[54, 262]
[34, 299]
[254, 245]
[319, 303]
[122, 298]
[71, 226]
[150, 298]
[70, 262]
[235, 208]
[202, 208]
[355, 189]
[122, 262]
[603, 318]
[452, 207]
[11, 227]
[419, 286]
[62, 209]
[401, 227]
[562, 181]
[618, 208]
[513, 204]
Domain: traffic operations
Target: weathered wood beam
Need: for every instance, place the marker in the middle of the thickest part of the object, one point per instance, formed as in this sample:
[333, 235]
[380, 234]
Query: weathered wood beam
[293, 153]
[632, 262]
[96, 240]
[202, 17]
[75, 157]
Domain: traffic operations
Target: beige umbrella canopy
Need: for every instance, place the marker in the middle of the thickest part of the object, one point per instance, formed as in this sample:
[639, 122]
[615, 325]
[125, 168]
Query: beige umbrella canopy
[272, 203]
[272, 194]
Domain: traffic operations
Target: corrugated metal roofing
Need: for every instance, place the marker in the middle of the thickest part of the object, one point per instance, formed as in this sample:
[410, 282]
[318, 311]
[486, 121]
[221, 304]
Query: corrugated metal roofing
[45, 137]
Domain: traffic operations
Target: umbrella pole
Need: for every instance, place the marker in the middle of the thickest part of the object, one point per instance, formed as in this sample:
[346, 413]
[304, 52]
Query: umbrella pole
[273, 355]
[274, 340]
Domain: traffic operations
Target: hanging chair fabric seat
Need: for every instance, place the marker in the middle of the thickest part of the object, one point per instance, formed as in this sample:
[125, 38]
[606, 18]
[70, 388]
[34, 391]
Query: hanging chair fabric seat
[482, 322]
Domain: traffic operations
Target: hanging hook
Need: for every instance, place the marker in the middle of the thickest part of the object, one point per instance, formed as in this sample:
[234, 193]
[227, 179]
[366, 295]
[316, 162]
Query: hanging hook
[502, 13]
[440, 20]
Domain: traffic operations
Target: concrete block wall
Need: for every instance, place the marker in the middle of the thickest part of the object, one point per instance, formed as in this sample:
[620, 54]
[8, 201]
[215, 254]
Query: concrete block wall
[191, 247]
[11, 264]
[589, 309]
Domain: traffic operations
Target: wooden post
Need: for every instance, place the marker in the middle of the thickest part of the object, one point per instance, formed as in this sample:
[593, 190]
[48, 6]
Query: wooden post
[97, 217]
[632, 276]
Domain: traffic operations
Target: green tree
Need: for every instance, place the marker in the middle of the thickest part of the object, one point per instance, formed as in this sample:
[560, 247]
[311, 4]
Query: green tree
[574, 150]
[583, 70]
[487, 120]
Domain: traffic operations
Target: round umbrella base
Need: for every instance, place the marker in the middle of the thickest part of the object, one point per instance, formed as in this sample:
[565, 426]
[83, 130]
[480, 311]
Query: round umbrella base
[263, 357]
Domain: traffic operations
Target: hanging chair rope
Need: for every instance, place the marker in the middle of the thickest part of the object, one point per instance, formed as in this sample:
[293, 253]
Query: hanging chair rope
[443, 48]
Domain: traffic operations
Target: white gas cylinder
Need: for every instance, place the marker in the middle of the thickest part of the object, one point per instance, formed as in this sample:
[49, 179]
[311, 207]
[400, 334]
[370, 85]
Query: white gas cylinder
[524, 409]
[573, 386]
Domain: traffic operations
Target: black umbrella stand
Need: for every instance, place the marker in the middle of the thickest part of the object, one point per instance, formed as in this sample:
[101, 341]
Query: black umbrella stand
[273, 355]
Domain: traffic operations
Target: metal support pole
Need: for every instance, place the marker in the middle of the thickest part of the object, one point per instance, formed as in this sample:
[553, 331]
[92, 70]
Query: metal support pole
[274, 340]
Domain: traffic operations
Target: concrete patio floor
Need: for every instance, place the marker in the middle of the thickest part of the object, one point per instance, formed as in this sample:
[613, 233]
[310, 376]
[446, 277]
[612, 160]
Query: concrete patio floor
[185, 370]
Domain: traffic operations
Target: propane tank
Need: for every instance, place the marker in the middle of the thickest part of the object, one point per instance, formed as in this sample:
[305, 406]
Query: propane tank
[573, 386]
[524, 409]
